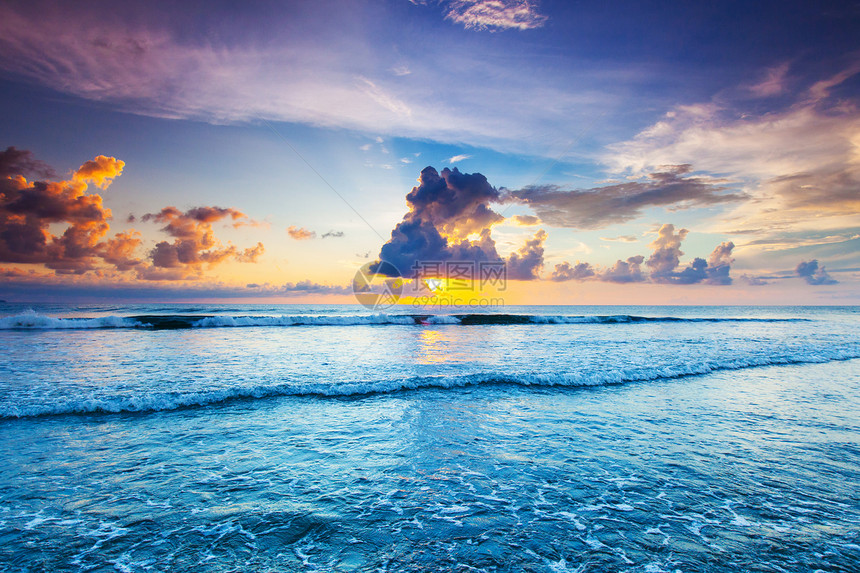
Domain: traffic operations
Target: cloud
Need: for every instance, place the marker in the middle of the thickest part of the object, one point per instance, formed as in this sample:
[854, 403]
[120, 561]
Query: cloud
[578, 272]
[773, 83]
[120, 250]
[664, 263]
[814, 274]
[719, 264]
[449, 219]
[665, 259]
[457, 158]
[667, 253]
[300, 233]
[600, 207]
[620, 239]
[30, 287]
[30, 211]
[21, 162]
[337, 77]
[629, 271]
[495, 14]
[799, 165]
[251, 254]
[526, 263]
[754, 280]
[525, 220]
[333, 234]
[310, 287]
[195, 244]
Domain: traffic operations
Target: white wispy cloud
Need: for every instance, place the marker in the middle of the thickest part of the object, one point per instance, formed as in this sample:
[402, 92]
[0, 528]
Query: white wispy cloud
[773, 83]
[495, 14]
[800, 166]
[345, 82]
[457, 158]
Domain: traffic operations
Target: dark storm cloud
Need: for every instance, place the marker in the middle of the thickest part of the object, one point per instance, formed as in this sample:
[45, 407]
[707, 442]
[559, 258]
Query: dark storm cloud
[600, 207]
[814, 274]
[449, 219]
[457, 204]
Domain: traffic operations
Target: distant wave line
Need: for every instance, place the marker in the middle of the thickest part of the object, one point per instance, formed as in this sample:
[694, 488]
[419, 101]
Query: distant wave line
[35, 321]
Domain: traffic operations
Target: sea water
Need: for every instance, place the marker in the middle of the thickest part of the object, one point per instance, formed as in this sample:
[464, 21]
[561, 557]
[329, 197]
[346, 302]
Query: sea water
[331, 438]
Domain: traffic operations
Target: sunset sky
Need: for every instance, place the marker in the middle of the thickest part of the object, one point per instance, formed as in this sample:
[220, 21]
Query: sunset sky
[607, 153]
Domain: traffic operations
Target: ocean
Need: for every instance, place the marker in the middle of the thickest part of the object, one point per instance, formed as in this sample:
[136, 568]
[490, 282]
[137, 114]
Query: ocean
[199, 437]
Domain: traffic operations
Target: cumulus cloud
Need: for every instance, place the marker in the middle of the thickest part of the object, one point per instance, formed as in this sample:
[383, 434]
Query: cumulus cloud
[600, 207]
[31, 212]
[120, 251]
[495, 14]
[719, 264]
[450, 219]
[667, 253]
[300, 233]
[666, 257]
[527, 262]
[28, 210]
[664, 263]
[578, 272]
[629, 271]
[195, 244]
[814, 274]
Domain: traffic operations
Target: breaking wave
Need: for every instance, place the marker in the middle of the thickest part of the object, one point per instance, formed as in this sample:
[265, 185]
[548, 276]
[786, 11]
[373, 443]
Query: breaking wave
[35, 321]
[173, 401]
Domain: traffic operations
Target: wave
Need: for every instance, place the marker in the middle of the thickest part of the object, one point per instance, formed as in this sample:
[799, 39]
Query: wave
[34, 321]
[608, 377]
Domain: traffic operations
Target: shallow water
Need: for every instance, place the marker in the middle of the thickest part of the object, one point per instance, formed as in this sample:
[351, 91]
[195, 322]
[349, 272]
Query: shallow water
[522, 447]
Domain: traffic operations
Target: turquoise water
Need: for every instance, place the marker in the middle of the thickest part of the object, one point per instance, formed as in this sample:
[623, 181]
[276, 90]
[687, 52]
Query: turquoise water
[317, 438]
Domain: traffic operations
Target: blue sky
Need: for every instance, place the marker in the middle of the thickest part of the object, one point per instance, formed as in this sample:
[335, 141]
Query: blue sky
[320, 117]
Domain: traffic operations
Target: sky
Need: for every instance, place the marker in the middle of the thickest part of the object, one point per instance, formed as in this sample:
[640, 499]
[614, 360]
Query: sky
[600, 153]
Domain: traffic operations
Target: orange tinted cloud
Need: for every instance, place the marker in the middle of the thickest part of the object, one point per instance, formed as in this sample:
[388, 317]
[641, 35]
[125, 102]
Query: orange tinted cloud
[31, 211]
[27, 209]
[100, 171]
[195, 244]
[300, 233]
